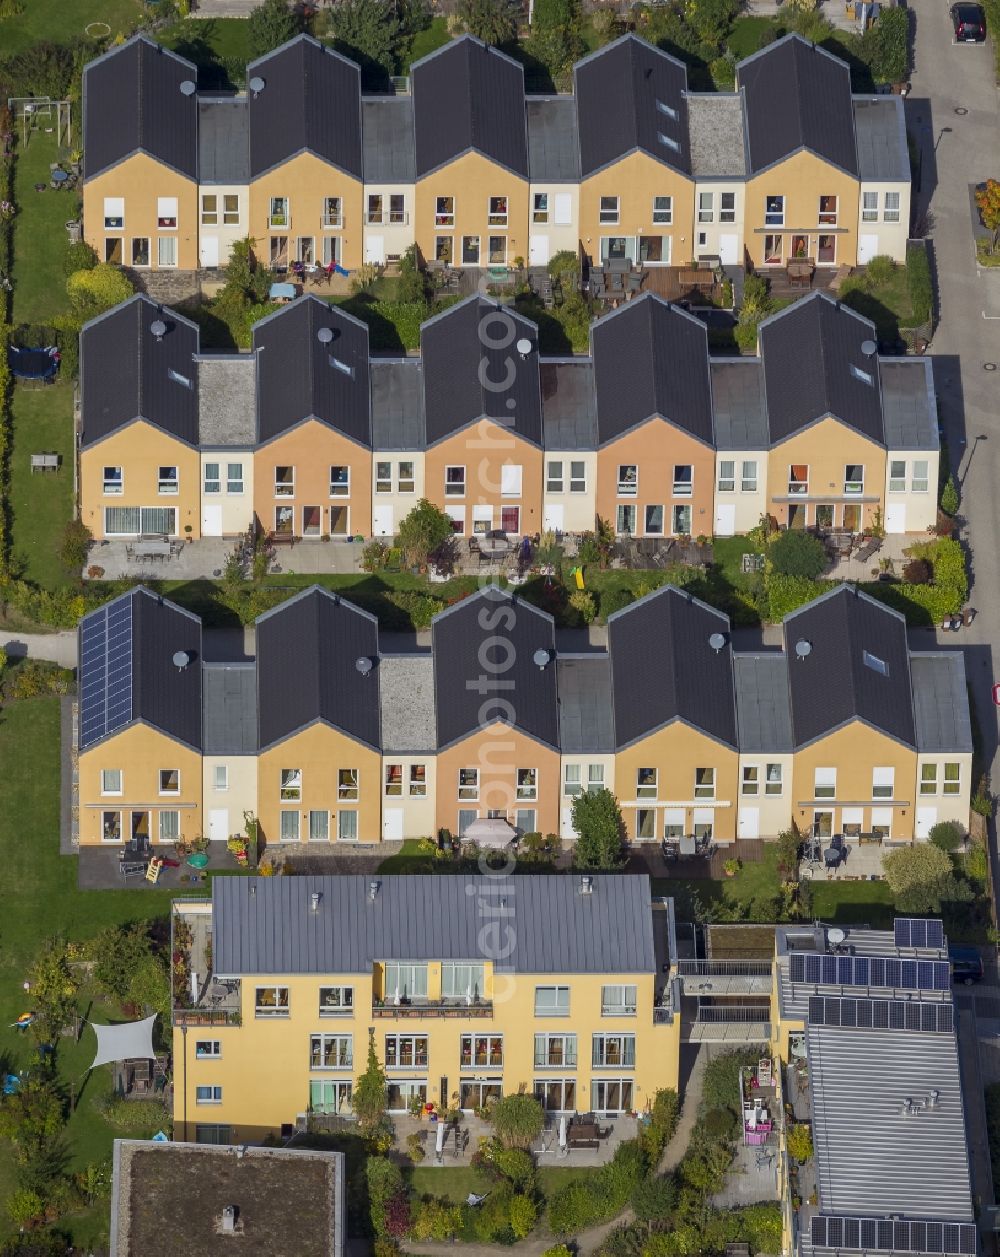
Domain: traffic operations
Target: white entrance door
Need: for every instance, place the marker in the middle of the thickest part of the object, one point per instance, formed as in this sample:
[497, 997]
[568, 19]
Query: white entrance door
[218, 824]
[749, 824]
[382, 521]
[725, 519]
[392, 824]
[553, 518]
[926, 820]
[209, 250]
[375, 249]
[728, 246]
[566, 825]
[538, 250]
[867, 248]
[211, 520]
[895, 517]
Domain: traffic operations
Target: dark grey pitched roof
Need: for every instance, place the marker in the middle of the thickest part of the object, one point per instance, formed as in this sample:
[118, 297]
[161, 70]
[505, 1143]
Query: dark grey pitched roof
[941, 701]
[299, 377]
[880, 129]
[229, 705]
[227, 400]
[763, 713]
[478, 624]
[406, 684]
[569, 411]
[452, 347]
[651, 358]
[311, 102]
[586, 724]
[397, 404]
[387, 139]
[127, 672]
[132, 103]
[814, 367]
[715, 125]
[681, 676]
[266, 925]
[127, 374]
[858, 667]
[798, 96]
[553, 144]
[223, 140]
[629, 96]
[307, 652]
[738, 397]
[909, 404]
[469, 97]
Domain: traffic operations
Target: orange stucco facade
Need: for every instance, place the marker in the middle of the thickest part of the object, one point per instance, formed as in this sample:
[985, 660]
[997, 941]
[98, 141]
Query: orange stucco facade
[141, 181]
[802, 180]
[306, 182]
[656, 448]
[311, 450]
[471, 181]
[497, 752]
[484, 450]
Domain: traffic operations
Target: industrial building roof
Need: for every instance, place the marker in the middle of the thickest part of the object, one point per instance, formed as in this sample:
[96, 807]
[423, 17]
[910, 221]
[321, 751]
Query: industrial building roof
[269, 926]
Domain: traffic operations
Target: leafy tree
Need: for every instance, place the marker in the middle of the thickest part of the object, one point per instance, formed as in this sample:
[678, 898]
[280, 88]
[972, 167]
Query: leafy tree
[270, 25]
[54, 988]
[949, 496]
[423, 531]
[654, 1199]
[246, 279]
[79, 257]
[121, 951]
[988, 204]
[922, 878]
[518, 1120]
[555, 35]
[523, 1216]
[370, 32]
[597, 820]
[31, 1116]
[712, 20]
[75, 546]
[492, 21]
[789, 843]
[887, 44]
[797, 553]
[516, 1165]
[947, 835]
[800, 1142]
[368, 1100]
[384, 1180]
[412, 280]
[44, 69]
[93, 291]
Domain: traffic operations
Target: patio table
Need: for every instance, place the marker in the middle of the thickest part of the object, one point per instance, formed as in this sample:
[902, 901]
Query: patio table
[151, 550]
[59, 176]
[282, 292]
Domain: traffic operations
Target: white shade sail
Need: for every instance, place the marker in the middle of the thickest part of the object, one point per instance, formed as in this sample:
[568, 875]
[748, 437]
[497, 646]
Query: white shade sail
[132, 1040]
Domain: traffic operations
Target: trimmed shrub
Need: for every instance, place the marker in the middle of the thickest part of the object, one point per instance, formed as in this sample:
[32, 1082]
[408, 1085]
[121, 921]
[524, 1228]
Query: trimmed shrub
[881, 269]
[523, 1216]
[800, 1142]
[918, 281]
[948, 835]
[516, 1165]
[787, 593]
[797, 553]
[949, 496]
[615, 600]
[134, 1115]
[436, 1220]
[517, 1120]
[917, 572]
[79, 257]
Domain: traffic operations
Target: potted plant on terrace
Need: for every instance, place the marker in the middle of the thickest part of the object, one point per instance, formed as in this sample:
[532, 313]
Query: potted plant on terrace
[239, 846]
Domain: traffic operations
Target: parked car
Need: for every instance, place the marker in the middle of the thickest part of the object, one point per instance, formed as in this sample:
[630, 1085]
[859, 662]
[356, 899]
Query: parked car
[969, 22]
[966, 965]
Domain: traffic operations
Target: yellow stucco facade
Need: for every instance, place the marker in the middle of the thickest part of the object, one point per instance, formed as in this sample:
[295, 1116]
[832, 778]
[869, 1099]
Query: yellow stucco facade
[320, 203]
[825, 451]
[140, 453]
[491, 497]
[472, 184]
[122, 205]
[633, 183]
[827, 232]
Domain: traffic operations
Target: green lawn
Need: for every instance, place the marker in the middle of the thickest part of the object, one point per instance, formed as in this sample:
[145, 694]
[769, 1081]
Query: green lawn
[887, 305]
[426, 41]
[219, 47]
[41, 503]
[38, 899]
[455, 1184]
[59, 22]
[40, 233]
[745, 37]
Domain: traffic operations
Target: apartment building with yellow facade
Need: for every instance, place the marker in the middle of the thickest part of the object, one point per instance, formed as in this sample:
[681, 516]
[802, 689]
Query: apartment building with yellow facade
[333, 736]
[630, 167]
[468, 987]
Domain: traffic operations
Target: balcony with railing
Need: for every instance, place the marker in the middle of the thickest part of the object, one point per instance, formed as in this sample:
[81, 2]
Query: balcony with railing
[398, 1009]
[198, 997]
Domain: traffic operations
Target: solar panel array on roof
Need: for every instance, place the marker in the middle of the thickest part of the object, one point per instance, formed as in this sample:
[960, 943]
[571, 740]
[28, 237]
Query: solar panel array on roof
[918, 932]
[105, 671]
[930, 1017]
[880, 971]
[894, 1235]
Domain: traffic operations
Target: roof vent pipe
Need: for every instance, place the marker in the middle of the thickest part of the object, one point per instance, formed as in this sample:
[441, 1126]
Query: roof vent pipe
[229, 1219]
[586, 885]
[373, 888]
[932, 1099]
[314, 901]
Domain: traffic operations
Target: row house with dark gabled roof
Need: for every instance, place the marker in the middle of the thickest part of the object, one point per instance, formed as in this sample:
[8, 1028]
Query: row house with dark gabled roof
[492, 732]
[315, 438]
[631, 167]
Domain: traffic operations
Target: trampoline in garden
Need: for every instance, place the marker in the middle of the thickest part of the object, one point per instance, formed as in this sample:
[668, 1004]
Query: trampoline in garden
[33, 364]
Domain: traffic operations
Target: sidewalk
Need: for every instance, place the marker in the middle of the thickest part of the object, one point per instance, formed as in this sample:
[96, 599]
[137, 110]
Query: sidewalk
[56, 647]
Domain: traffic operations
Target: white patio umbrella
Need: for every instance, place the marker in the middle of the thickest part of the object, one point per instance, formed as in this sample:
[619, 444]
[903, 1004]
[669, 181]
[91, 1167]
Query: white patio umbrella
[563, 1125]
[439, 1148]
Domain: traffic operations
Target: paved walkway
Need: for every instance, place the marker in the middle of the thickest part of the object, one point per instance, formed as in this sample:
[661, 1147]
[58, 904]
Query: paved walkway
[57, 647]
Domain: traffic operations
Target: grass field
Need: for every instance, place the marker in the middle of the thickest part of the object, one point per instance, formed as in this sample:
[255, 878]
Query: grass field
[40, 233]
[41, 503]
[61, 23]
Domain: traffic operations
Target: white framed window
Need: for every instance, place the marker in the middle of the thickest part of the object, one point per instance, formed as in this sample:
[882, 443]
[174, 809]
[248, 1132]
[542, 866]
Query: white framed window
[609, 209]
[773, 779]
[408, 981]
[619, 1000]
[527, 784]
[554, 477]
[869, 207]
[220, 778]
[613, 1051]
[393, 781]
[279, 212]
[333, 212]
[555, 1095]
[405, 1051]
[114, 213]
[683, 480]
[208, 1095]
[496, 212]
[748, 476]
[555, 1051]
[170, 781]
[374, 213]
[405, 479]
[828, 211]
[471, 246]
[645, 824]
[681, 521]
[551, 1001]
[169, 825]
[663, 210]
[952, 779]
[131, 521]
[383, 477]
[897, 476]
[331, 1051]
[463, 979]
[653, 520]
[114, 482]
[727, 475]
[611, 1095]
[112, 781]
[468, 785]
[882, 822]
[854, 480]
[271, 1001]
[625, 520]
[140, 251]
[111, 826]
[166, 251]
[703, 822]
[166, 212]
[348, 789]
[578, 476]
[231, 209]
[628, 480]
[750, 782]
[497, 250]
[673, 822]
[480, 1050]
[319, 826]
[882, 782]
[454, 482]
[234, 478]
[418, 781]
[290, 825]
[704, 783]
[825, 783]
[212, 478]
[928, 778]
[646, 783]
[706, 207]
[291, 785]
[572, 785]
[891, 207]
[595, 778]
[727, 207]
[167, 481]
[919, 476]
[207, 1049]
[347, 827]
[209, 209]
[284, 482]
[540, 208]
[340, 482]
[510, 480]
[444, 211]
[798, 480]
[336, 1001]
[774, 211]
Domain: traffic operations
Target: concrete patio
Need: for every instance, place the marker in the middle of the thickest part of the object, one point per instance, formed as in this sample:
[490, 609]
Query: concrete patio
[205, 559]
[860, 862]
[892, 548]
[752, 1177]
[462, 1142]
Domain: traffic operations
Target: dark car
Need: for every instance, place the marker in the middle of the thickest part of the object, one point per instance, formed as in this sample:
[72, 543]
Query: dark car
[966, 965]
[969, 22]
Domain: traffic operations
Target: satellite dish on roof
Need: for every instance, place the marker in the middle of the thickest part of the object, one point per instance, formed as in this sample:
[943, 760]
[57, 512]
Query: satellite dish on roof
[256, 85]
[181, 660]
[325, 335]
[158, 328]
[717, 641]
[364, 665]
[524, 346]
[835, 935]
[869, 348]
[188, 87]
[803, 649]
[541, 659]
